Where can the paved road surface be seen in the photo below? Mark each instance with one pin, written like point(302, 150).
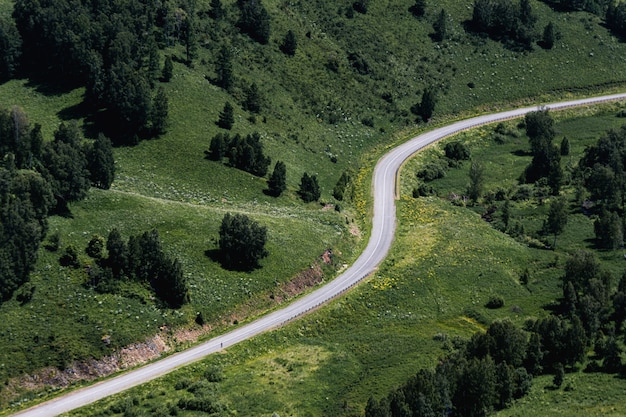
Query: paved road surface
point(383, 230)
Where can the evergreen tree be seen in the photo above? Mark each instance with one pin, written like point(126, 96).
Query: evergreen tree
point(168, 69)
point(565, 147)
point(101, 163)
point(190, 37)
point(118, 253)
point(289, 44)
point(242, 242)
point(254, 20)
point(278, 181)
point(10, 49)
point(217, 149)
point(253, 99)
point(426, 107)
point(419, 8)
point(224, 69)
point(557, 218)
point(549, 36)
point(95, 247)
point(227, 117)
point(340, 187)
point(441, 27)
point(309, 188)
point(159, 112)
point(217, 10)
point(65, 165)
point(477, 181)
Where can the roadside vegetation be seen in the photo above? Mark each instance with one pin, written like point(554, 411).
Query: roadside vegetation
point(304, 96)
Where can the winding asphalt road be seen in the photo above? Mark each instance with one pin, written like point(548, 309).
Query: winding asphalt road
point(383, 230)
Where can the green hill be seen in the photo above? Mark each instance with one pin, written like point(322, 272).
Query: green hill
point(343, 97)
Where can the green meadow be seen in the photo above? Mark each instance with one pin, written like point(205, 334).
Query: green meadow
point(322, 119)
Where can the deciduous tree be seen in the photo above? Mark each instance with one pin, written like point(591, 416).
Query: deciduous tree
point(242, 242)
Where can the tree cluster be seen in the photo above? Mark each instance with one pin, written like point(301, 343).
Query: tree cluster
point(143, 260)
point(546, 162)
point(254, 20)
point(37, 177)
point(615, 18)
point(602, 171)
point(242, 242)
point(242, 152)
point(592, 6)
point(491, 369)
point(110, 47)
point(507, 21)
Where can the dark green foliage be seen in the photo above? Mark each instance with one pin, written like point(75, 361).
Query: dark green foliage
point(340, 188)
point(419, 8)
point(217, 149)
point(224, 69)
point(246, 153)
point(101, 163)
point(10, 49)
point(142, 260)
point(549, 36)
point(602, 166)
point(118, 253)
point(557, 218)
point(615, 18)
point(505, 21)
point(189, 35)
point(289, 44)
point(65, 165)
point(226, 117)
point(457, 151)
point(477, 181)
point(433, 170)
point(159, 112)
point(278, 180)
point(95, 247)
point(426, 106)
point(309, 188)
point(609, 230)
point(565, 147)
point(546, 162)
point(25, 199)
point(253, 99)
point(241, 242)
point(559, 375)
point(361, 6)
point(217, 10)
point(69, 258)
point(254, 20)
point(359, 63)
point(495, 301)
point(110, 48)
point(168, 69)
point(441, 27)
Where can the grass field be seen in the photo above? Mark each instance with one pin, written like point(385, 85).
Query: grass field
point(312, 116)
point(444, 266)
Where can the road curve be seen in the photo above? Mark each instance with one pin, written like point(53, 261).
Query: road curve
point(383, 230)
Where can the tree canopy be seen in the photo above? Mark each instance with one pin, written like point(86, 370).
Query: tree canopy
point(242, 242)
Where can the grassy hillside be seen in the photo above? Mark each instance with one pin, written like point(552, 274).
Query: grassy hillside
point(445, 265)
point(319, 115)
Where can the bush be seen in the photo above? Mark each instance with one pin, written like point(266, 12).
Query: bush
point(496, 301)
point(433, 171)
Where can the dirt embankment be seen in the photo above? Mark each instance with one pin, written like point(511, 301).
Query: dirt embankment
point(166, 340)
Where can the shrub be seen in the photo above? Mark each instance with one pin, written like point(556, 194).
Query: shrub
point(495, 301)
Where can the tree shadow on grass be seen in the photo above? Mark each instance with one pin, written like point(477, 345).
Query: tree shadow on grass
point(216, 256)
